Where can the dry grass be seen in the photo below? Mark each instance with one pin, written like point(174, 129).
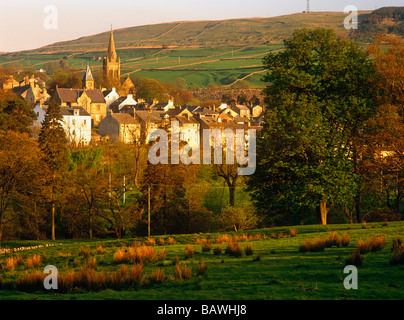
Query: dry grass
point(201, 268)
point(234, 249)
point(170, 240)
point(345, 240)
point(142, 255)
point(293, 232)
point(189, 252)
point(12, 262)
point(249, 250)
point(150, 242)
point(161, 241)
point(182, 272)
point(333, 240)
point(223, 238)
point(100, 249)
point(34, 261)
point(84, 251)
point(315, 246)
point(218, 250)
point(206, 247)
point(397, 256)
point(30, 281)
point(157, 276)
point(372, 244)
point(355, 258)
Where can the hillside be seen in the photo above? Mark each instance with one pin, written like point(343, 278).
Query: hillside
point(220, 53)
point(234, 32)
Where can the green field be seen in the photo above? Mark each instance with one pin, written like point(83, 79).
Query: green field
point(280, 272)
point(220, 66)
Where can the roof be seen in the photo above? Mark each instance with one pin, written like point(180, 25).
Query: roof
point(148, 116)
point(88, 75)
point(70, 111)
point(124, 118)
point(20, 90)
point(71, 95)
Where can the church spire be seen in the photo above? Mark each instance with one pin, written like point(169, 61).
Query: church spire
point(111, 48)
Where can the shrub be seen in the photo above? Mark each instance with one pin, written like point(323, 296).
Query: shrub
point(238, 218)
point(201, 268)
point(189, 252)
point(249, 250)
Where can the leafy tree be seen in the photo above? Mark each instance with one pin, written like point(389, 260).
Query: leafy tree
point(16, 115)
point(318, 100)
point(20, 172)
point(53, 144)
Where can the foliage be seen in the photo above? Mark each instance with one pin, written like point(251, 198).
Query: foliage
point(317, 102)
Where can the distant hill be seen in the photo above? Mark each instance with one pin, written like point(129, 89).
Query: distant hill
point(221, 53)
point(234, 32)
point(388, 20)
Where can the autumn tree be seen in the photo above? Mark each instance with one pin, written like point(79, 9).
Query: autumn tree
point(20, 172)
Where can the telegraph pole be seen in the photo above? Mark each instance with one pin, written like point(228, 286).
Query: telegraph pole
point(148, 211)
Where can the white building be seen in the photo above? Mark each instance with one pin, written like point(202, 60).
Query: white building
point(77, 125)
point(110, 96)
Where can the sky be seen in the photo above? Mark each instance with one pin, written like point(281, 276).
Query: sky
point(30, 24)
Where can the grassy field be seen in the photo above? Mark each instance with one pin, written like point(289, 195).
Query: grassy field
point(220, 66)
point(275, 269)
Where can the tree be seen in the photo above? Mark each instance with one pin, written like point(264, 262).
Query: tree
point(53, 144)
point(384, 139)
point(20, 171)
point(88, 182)
point(318, 99)
point(16, 115)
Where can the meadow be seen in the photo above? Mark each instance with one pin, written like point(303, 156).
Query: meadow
point(272, 263)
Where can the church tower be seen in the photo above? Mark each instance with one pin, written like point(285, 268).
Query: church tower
point(88, 80)
point(112, 64)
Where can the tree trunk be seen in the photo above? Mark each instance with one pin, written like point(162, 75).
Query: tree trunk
point(322, 211)
point(232, 191)
point(53, 220)
point(358, 207)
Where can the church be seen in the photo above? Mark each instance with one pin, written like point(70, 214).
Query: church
point(112, 64)
point(112, 70)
